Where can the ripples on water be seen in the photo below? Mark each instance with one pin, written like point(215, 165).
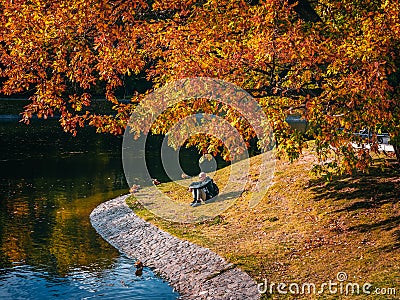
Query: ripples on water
point(117, 282)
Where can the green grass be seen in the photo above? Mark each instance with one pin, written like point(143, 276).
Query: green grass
point(306, 229)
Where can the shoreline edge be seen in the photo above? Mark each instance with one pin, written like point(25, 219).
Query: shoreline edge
point(193, 271)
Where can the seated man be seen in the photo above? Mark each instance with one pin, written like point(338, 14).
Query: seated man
point(203, 190)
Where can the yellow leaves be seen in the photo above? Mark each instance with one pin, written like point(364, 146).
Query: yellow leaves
point(317, 69)
point(79, 101)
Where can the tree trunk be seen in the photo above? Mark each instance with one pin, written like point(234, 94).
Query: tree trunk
point(397, 151)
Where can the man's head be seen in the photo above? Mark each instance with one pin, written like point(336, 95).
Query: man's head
point(202, 176)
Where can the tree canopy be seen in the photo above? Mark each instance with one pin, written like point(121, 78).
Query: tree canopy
point(335, 63)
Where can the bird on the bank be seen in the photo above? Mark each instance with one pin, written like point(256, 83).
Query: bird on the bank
point(185, 176)
point(134, 188)
point(155, 181)
point(139, 268)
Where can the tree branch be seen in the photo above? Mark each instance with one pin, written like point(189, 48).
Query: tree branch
point(284, 92)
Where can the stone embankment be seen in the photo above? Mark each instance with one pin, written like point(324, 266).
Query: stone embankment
point(195, 272)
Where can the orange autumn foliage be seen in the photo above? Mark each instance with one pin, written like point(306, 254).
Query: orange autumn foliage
point(335, 63)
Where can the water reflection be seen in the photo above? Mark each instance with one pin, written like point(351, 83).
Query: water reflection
point(49, 184)
point(116, 282)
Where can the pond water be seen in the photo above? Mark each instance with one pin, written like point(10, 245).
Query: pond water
point(49, 184)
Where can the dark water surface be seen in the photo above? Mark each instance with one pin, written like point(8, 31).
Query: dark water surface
point(49, 184)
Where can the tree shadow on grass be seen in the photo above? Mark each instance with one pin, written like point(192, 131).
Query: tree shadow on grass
point(362, 191)
point(396, 245)
point(388, 224)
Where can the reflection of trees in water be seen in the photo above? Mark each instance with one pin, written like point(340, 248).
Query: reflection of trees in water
point(49, 183)
point(51, 232)
point(73, 241)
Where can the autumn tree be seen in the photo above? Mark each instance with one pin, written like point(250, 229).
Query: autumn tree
point(335, 63)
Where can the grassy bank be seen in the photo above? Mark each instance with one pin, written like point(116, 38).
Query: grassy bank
point(306, 230)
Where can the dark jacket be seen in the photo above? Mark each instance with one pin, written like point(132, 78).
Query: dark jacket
point(210, 188)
